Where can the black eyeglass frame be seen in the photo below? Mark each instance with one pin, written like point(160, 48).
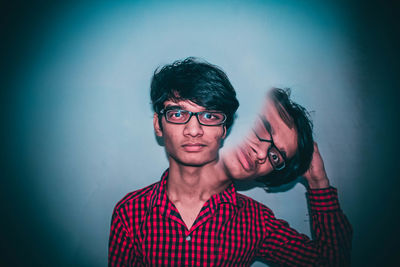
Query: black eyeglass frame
point(164, 112)
point(269, 149)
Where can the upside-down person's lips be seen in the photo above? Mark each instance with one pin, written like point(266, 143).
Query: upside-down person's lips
point(245, 160)
point(193, 147)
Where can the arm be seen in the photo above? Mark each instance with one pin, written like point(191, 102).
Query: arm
point(120, 243)
point(332, 233)
point(316, 175)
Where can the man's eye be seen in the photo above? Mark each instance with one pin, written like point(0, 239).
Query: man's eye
point(274, 156)
point(208, 116)
point(177, 114)
point(212, 116)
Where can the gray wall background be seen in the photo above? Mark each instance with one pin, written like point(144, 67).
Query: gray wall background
point(77, 132)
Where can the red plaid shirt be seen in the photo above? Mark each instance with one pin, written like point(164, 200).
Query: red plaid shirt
point(230, 230)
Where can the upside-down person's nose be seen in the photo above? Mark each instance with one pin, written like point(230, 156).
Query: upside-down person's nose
point(261, 152)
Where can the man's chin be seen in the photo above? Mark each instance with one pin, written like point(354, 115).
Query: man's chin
point(236, 171)
point(195, 162)
point(239, 173)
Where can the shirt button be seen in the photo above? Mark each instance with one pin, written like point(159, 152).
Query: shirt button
point(188, 238)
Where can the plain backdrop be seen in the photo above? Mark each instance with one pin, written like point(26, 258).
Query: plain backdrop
point(77, 121)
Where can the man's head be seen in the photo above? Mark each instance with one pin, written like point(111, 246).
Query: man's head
point(297, 116)
point(280, 146)
point(194, 105)
point(197, 81)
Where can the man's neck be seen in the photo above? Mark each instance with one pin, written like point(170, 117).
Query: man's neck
point(189, 187)
point(195, 183)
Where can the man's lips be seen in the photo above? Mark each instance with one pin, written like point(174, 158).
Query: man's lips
point(193, 147)
point(245, 160)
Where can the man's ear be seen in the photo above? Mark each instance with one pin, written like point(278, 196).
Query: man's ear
point(157, 128)
point(224, 133)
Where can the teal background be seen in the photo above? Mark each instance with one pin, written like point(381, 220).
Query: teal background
point(77, 122)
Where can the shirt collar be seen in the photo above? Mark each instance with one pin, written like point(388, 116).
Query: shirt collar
point(159, 194)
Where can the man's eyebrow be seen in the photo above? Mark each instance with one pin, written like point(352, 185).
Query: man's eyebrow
point(170, 107)
point(283, 152)
point(287, 119)
point(267, 125)
point(269, 128)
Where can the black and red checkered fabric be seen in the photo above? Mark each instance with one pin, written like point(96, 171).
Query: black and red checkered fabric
point(230, 230)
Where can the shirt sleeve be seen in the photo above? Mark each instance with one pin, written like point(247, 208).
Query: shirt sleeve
point(120, 244)
point(332, 235)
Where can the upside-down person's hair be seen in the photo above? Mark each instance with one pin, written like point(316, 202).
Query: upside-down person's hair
point(198, 81)
point(299, 117)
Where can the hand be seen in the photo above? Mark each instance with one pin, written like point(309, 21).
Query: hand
point(316, 175)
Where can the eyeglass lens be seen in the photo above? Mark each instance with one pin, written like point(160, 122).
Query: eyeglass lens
point(262, 131)
point(180, 116)
point(276, 158)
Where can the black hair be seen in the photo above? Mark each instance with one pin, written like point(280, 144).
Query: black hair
point(300, 118)
point(198, 81)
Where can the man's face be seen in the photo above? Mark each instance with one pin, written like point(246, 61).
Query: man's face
point(251, 159)
point(190, 144)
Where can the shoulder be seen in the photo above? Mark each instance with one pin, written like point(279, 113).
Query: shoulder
point(261, 216)
point(135, 200)
point(256, 208)
point(131, 210)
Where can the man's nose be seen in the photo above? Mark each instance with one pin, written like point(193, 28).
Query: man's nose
point(260, 150)
point(193, 127)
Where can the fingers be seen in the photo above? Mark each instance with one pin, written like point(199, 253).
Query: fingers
point(316, 175)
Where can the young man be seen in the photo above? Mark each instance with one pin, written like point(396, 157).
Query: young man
point(280, 146)
point(194, 216)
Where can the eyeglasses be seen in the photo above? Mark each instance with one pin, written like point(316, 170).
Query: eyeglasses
point(275, 156)
point(207, 118)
